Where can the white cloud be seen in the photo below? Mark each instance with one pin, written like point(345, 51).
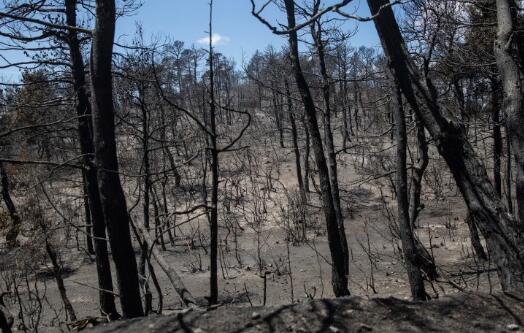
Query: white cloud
point(216, 39)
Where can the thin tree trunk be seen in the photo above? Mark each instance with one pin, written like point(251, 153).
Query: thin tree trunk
point(509, 171)
point(296, 149)
point(57, 272)
point(328, 136)
point(213, 221)
point(110, 187)
point(474, 237)
point(497, 136)
point(417, 174)
point(87, 214)
point(186, 297)
point(307, 153)
point(407, 237)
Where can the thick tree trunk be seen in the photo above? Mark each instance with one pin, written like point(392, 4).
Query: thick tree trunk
point(85, 134)
point(12, 234)
point(407, 237)
point(510, 69)
point(336, 236)
point(6, 318)
point(111, 193)
point(494, 221)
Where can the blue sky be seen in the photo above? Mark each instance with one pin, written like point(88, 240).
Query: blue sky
point(239, 32)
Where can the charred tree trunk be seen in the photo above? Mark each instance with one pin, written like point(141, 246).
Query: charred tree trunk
point(296, 150)
point(307, 153)
point(111, 193)
point(509, 171)
point(175, 280)
point(12, 234)
point(407, 237)
point(497, 136)
point(85, 134)
point(87, 214)
point(336, 235)
point(6, 318)
point(510, 69)
point(417, 176)
point(316, 32)
point(213, 216)
point(494, 221)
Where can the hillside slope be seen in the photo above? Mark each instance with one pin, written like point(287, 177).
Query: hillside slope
point(455, 313)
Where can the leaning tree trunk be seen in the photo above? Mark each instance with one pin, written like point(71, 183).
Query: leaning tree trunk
point(85, 134)
point(336, 236)
point(57, 272)
point(111, 193)
point(494, 221)
point(510, 69)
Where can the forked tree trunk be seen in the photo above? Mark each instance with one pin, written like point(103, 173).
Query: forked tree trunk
point(110, 187)
point(494, 221)
point(336, 235)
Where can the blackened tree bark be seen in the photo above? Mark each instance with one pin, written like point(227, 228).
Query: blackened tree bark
point(407, 237)
point(87, 213)
point(111, 193)
point(85, 134)
point(497, 135)
point(316, 33)
point(14, 230)
point(511, 75)
point(6, 318)
point(509, 172)
point(296, 148)
point(417, 174)
point(213, 216)
point(502, 234)
point(336, 234)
